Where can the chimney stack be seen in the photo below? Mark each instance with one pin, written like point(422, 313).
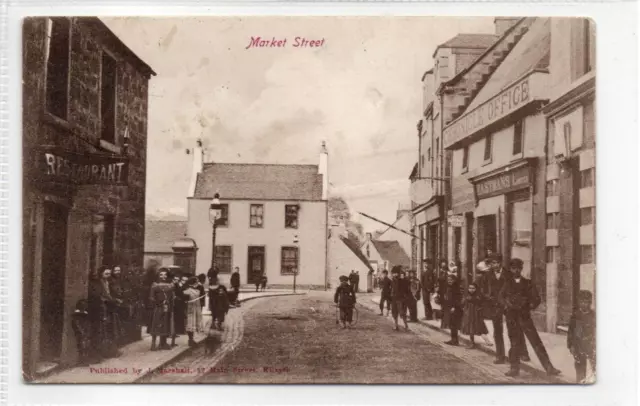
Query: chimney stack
point(502, 24)
point(323, 169)
point(198, 164)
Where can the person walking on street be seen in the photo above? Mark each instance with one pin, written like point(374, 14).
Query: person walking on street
point(235, 286)
point(450, 299)
point(427, 283)
point(581, 338)
point(519, 297)
point(345, 299)
point(385, 292)
point(399, 296)
point(218, 305)
point(415, 289)
point(491, 284)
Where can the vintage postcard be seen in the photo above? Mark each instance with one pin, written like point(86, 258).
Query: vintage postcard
point(309, 200)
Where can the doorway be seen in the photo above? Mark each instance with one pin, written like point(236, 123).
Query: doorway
point(255, 267)
point(52, 290)
point(487, 235)
point(519, 220)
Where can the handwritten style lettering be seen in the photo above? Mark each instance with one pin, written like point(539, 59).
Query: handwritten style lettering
point(298, 42)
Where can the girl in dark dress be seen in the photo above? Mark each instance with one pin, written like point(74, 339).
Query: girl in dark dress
point(473, 320)
point(450, 299)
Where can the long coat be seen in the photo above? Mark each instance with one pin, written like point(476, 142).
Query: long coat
point(490, 288)
point(473, 319)
point(194, 310)
point(162, 299)
point(450, 298)
point(102, 306)
point(180, 310)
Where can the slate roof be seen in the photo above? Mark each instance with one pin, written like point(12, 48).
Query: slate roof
point(356, 250)
point(160, 235)
point(392, 252)
point(469, 41)
point(259, 182)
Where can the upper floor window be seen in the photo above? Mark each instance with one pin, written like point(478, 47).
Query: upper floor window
point(553, 188)
point(587, 178)
point(108, 98)
point(443, 67)
point(465, 158)
point(291, 216)
point(429, 154)
point(422, 161)
point(256, 215)
point(223, 220)
point(57, 76)
point(488, 147)
point(518, 137)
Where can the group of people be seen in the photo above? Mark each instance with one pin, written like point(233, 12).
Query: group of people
point(497, 295)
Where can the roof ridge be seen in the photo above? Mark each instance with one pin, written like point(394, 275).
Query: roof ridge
point(254, 163)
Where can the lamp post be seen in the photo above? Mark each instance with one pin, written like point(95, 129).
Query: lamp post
point(295, 269)
point(215, 211)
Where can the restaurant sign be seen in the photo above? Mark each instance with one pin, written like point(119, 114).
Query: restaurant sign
point(506, 102)
point(504, 182)
point(57, 165)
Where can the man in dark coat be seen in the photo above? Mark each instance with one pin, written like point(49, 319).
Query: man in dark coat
point(399, 295)
point(345, 298)
point(235, 286)
point(519, 297)
point(353, 279)
point(427, 283)
point(415, 289)
point(385, 292)
point(491, 283)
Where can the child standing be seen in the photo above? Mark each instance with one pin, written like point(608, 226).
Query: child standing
point(219, 306)
point(582, 335)
point(345, 298)
point(82, 330)
point(473, 318)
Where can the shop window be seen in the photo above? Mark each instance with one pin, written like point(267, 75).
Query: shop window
point(465, 159)
point(108, 98)
point(256, 215)
point(223, 258)
point(586, 216)
point(223, 220)
point(289, 261)
point(552, 188)
point(291, 216)
point(553, 221)
point(551, 254)
point(518, 135)
point(57, 80)
point(587, 178)
point(587, 254)
point(488, 146)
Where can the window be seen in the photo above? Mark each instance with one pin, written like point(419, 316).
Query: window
point(223, 258)
point(587, 178)
point(586, 216)
point(223, 221)
point(487, 147)
point(289, 261)
point(256, 215)
point(465, 158)
point(553, 221)
point(587, 254)
point(443, 67)
point(57, 81)
point(551, 254)
point(429, 154)
point(552, 188)
point(291, 215)
point(108, 98)
point(518, 138)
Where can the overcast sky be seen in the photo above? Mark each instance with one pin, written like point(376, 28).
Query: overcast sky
point(361, 92)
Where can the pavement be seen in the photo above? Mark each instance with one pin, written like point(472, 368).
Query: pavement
point(555, 344)
point(138, 362)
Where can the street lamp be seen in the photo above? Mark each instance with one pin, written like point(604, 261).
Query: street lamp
point(215, 212)
point(295, 269)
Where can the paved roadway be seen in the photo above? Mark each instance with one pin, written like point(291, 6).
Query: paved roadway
point(294, 339)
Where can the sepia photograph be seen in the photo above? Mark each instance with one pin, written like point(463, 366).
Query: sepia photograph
point(308, 200)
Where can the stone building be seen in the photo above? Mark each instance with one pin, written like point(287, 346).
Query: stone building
point(85, 102)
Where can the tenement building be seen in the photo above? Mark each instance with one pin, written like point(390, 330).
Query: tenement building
point(273, 221)
point(85, 97)
point(570, 162)
point(497, 138)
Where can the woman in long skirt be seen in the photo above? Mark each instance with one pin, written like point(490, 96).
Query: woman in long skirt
point(192, 297)
point(161, 298)
point(473, 320)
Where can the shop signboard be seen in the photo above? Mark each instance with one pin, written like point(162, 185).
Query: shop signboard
point(504, 182)
point(456, 221)
point(504, 103)
point(54, 164)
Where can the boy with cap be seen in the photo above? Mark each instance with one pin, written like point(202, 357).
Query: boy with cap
point(582, 335)
point(345, 298)
point(399, 295)
point(385, 292)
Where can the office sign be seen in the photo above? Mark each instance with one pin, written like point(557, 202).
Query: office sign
point(504, 183)
point(57, 165)
point(504, 103)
